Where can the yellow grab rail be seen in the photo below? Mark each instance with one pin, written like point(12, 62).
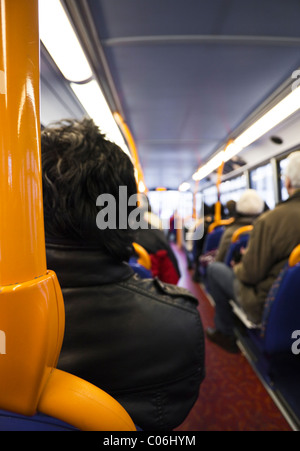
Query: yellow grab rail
point(144, 257)
point(295, 256)
point(241, 231)
point(222, 222)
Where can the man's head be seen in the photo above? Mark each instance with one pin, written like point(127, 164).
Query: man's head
point(292, 173)
point(79, 164)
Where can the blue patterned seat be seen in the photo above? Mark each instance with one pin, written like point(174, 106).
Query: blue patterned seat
point(235, 248)
point(282, 311)
point(143, 272)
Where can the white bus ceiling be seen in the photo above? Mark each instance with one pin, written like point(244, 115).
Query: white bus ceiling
point(186, 75)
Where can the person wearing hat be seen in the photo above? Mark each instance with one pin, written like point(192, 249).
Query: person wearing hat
point(275, 234)
point(247, 209)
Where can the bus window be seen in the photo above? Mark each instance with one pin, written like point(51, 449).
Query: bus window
point(232, 189)
point(165, 203)
point(261, 179)
point(210, 195)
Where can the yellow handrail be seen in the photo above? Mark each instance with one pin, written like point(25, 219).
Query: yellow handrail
point(83, 405)
point(295, 256)
point(144, 257)
point(241, 231)
point(221, 222)
point(218, 206)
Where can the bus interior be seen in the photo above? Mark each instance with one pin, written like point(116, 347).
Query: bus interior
point(191, 85)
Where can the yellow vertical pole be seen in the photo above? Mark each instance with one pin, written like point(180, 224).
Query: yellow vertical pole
point(31, 302)
point(22, 244)
point(218, 215)
point(195, 213)
point(133, 150)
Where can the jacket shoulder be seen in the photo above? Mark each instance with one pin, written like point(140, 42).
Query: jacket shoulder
point(173, 290)
point(159, 290)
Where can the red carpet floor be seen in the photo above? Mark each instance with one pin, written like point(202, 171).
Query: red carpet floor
point(231, 397)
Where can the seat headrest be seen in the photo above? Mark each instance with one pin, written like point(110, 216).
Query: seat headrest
point(241, 231)
point(295, 256)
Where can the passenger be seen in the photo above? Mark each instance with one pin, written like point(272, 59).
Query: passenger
point(171, 236)
point(164, 263)
point(208, 213)
point(139, 340)
point(152, 238)
point(247, 209)
point(276, 233)
point(230, 208)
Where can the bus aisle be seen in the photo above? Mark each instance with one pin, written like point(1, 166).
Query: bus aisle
point(231, 398)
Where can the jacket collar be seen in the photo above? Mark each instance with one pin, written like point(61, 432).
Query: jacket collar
point(295, 196)
point(83, 266)
point(245, 220)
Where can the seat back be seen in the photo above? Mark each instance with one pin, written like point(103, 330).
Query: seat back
point(212, 239)
point(282, 308)
point(221, 222)
point(239, 240)
point(210, 248)
point(139, 269)
point(10, 421)
point(143, 258)
point(281, 312)
point(141, 262)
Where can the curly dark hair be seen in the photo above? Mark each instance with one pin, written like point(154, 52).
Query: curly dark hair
point(79, 164)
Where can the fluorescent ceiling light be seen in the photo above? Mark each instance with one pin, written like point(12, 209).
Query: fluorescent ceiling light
point(231, 150)
point(209, 167)
point(285, 108)
point(94, 103)
point(59, 38)
point(184, 187)
point(142, 187)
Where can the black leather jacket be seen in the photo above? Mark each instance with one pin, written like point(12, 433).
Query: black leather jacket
point(141, 341)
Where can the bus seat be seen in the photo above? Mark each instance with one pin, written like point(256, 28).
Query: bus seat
point(212, 239)
point(222, 222)
point(281, 312)
point(268, 347)
point(211, 243)
point(282, 309)
point(239, 240)
point(32, 325)
point(141, 262)
point(143, 272)
point(143, 256)
point(39, 422)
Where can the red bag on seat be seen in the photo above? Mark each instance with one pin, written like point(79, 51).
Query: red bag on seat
point(163, 268)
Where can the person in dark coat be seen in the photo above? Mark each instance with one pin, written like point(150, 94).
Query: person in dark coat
point(153, 239)
point(139, 340)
